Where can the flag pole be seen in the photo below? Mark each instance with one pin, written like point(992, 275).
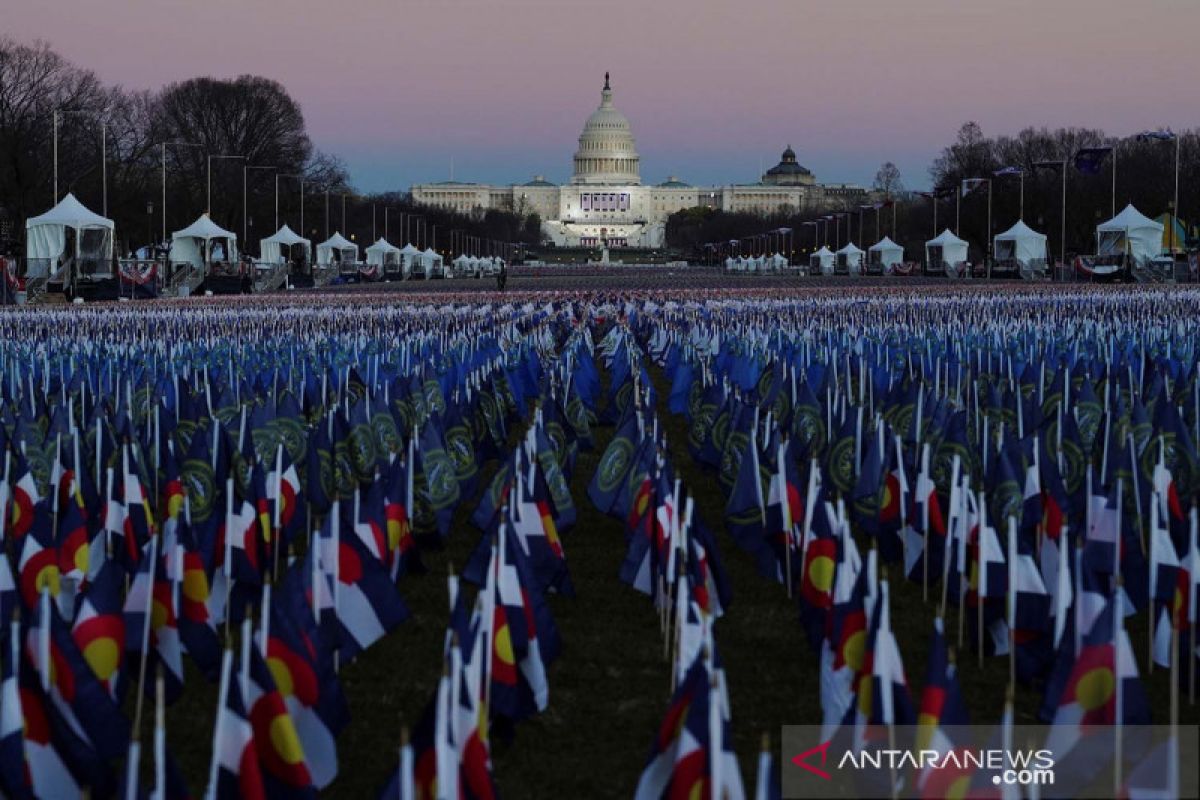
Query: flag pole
point(160, 736)
point(1012, 602)
point(981, 578)
point(1118, 695)
point(1191, 665)
point(1063, 243)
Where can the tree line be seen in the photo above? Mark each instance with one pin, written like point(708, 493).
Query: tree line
point(127, 136)
point(1145, 177)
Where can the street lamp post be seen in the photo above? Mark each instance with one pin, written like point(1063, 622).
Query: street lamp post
point(103, 154)
point(245, 214)
point(301, 178)
point(163, 145)
point(208, 181)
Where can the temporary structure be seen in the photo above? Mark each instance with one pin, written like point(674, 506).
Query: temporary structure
point(946, 250)
point(432, 262)
point(383, 253)
point(204, 241)
point(885, 253)
point(850, 257)
point(822, 260)
point(462, 265)
point(1130, 232)
point(336, 250)
point(277, 248)
point(46, 235)
point(409, 258)
point(1020, 244)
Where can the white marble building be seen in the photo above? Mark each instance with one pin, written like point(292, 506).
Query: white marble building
point(606, 200)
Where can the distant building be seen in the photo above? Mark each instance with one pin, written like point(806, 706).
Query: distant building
point(606, 201)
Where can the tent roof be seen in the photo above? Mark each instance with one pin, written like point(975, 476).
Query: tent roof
point(204, 228)
point(1020, 231)
point(429, 251)
point(70, 213)
point(849, 249)
point(946, 237)
point(383, 246)
point(1129, 218)
point(824, 251)
point(463, 258)
point(338, 242)
point(409, 250)
point(885, 244)
point(287, 237)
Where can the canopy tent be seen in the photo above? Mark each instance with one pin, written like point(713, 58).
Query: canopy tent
point(849, 256)
point(431, 261)
point(203, 241)
point(822, 259)
point(1173, 241)
point(346, 250)
point(383, 252)
point(46, 235)
point(272, 248)
point(779, 261)
point(1130, 232)
point(1020, 243)
point(885, 252)
point(462, 265)
point(409, 257)
point(945, 249)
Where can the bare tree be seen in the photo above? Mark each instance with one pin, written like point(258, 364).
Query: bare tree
point(887, 180)
point(34, 82)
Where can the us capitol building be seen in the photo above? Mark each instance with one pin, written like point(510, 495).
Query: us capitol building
point(607, 202)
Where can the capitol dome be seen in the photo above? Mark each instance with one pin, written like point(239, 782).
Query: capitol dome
point(607, 152)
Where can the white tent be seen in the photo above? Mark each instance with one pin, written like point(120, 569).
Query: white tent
point(203, 240)
point(822, 259)
point(779, 261)
point(383, 252)
point(409, 258)
point(730, 263)
point(885, 252)
point(271, 249)
point(432, 262)
point(849, 256)
point(945, 249)
point(462, 265)
point(347, 251)
point(46, 235)
point(1130, 232)
point(1020, 243)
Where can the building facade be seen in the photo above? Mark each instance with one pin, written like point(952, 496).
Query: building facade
point(605, 201)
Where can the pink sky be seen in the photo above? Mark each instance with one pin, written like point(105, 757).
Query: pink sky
point(714, 90)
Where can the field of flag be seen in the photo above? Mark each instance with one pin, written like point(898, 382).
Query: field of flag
point(587, 543)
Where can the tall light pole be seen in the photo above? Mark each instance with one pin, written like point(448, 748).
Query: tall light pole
point(1165, 135)
point(1062, 165)
point(299, 176)
point(245, 171)
point(208, 181)
point(975, 182)
point(163, 145)
point(103, 154)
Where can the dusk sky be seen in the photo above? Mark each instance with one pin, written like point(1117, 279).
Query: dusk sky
point(714, 90)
